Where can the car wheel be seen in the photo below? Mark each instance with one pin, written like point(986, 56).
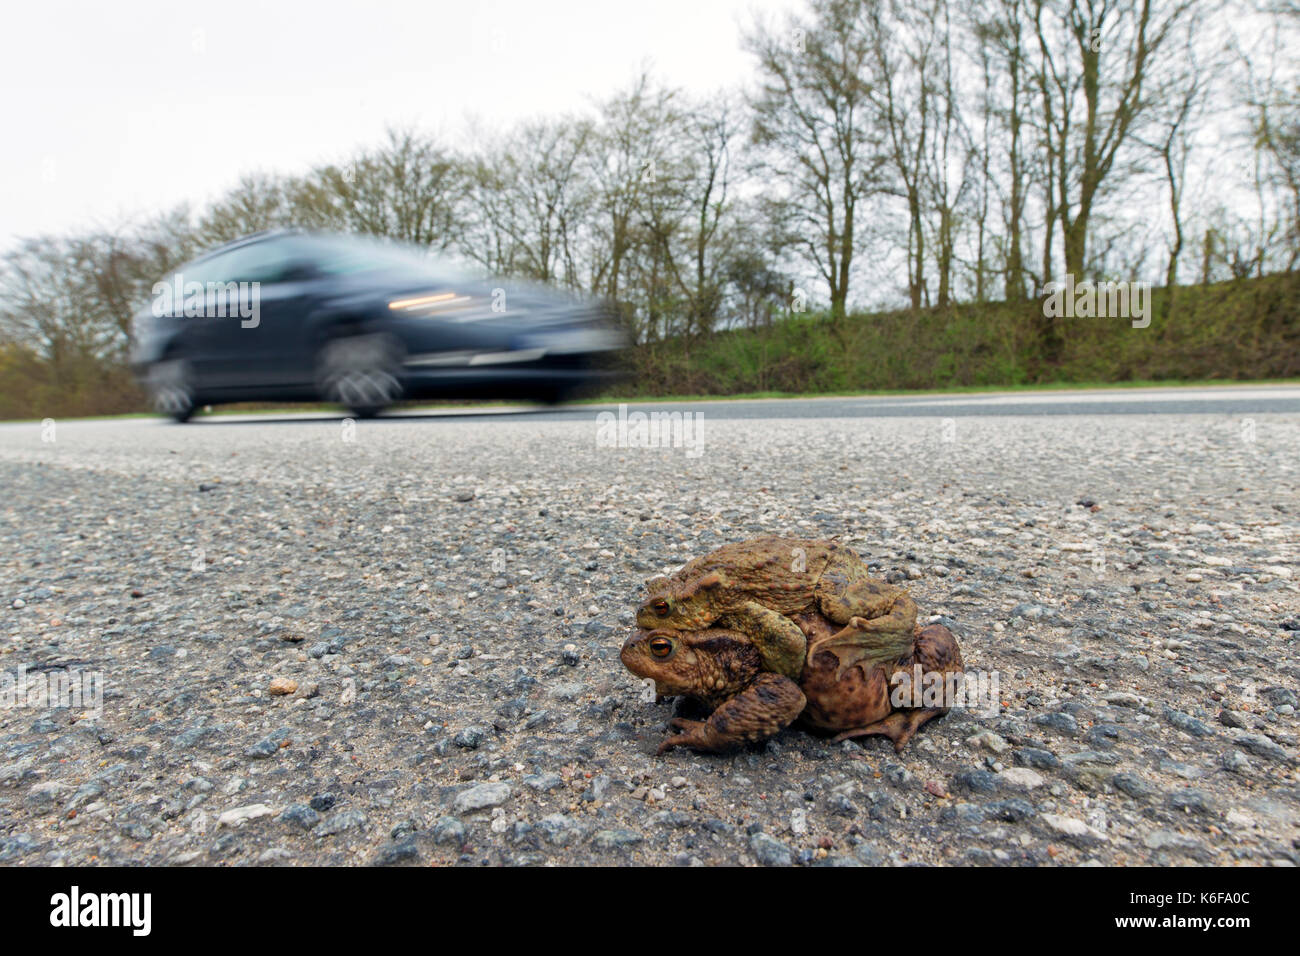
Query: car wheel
point(170, 389)
point(360, 372)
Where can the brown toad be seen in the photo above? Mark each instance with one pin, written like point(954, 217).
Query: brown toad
point(724, 670)
point(756, 586)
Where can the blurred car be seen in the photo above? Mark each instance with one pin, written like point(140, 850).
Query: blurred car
point(300, 316)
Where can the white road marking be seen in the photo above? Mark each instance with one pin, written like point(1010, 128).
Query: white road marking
point(1098, 398)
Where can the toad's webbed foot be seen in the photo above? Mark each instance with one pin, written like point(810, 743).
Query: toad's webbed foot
point(898, 727)
point(762, 709)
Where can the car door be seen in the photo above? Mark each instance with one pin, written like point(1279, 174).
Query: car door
point(252, 335)
point(287, 287)
point(185, 307)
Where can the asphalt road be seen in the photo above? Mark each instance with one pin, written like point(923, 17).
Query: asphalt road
point(441, 598)
point(1223, 400)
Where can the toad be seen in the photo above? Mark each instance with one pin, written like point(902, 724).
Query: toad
point(724, 670)
point(756, 586)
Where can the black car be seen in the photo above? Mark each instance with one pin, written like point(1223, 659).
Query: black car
point(299, 316)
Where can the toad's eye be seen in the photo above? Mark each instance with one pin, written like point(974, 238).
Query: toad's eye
point(661, 647)
point(660, 607)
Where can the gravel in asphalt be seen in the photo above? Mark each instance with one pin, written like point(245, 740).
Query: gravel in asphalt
point(396, 642)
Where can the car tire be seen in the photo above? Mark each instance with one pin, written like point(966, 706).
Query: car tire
point(171, 389)
point(361, 373)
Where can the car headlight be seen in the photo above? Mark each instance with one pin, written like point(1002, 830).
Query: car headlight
point(426, 304)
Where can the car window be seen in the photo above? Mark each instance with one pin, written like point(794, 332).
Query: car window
point(212, 269)
point(337, 255)
point(274, 260)
point(270, 261)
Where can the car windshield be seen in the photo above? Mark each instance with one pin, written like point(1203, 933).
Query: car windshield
point(329, 254)
point(347, 255)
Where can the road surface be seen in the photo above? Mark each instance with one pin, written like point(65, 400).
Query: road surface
point(442, 596)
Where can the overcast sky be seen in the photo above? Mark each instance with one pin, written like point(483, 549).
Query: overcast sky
point(117, 109)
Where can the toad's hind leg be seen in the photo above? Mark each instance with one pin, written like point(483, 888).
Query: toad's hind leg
point(898, 726)
point(766, 706)
point(886, 607)
point(872, 641)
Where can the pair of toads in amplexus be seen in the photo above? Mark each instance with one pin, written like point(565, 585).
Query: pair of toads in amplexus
point(774, 629)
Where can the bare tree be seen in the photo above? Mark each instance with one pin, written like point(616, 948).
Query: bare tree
point(999, 30)
point(812, 115)
point(1181, 96)
point(1274, 106)
point(410, 189)
point(531, 192)
point(488, 235)
point(627, 150)
point(905, 92)
point(948, 161)
point(690, 215)
point(1105, 52)
point(258, 202)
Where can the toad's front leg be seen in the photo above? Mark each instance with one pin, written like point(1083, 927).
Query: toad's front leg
point(758, 712)
point(780, 643)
